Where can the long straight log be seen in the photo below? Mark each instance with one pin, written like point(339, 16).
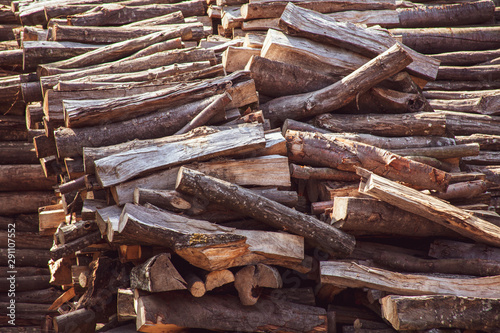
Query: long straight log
point(472, 73)
point(459, 123)
point(462, 85)
point(27, 202)
point(319, 150)
point(387, 18)
point(26, 258)
point(13, 128)
point(27, 240)
point(24, 177)
point(17, 153)
point(306, 23)
point(341, 93)
point(466, 58)
point(431, 208)
point(487, 105)
point(236, 198)
point(353, 275)
point(485, 141)
point(172, 18)
point(123, 166)
point(470, 149)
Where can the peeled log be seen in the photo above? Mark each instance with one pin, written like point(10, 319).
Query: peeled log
point(341, 93)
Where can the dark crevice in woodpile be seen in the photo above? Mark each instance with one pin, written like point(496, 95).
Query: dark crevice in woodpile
point(249, 166)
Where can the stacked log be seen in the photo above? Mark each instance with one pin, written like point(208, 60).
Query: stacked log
point(275, 176)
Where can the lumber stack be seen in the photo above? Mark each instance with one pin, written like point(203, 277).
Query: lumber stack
point(306, 166)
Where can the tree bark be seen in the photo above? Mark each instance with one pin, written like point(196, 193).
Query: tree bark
point(307, 172)
point(325, 100)
point(224, 312)
point(13, 128)
point(466, 58)
point(81, 320)
point(470, 149)
point(367, 217)
point(484, 158)
point(464, 190)
point(487, 105)
point(40, 296)
point(250, 279)
point(17, 153)
point(440, 311)
point(459, 123)
point(157, 274)
point(462, 85)
point(75, 245)
point(26, 283)
point(386, 125)
point(172, 18)
point(71, 232)
point(165, 199)
point(368, 42)
point(26, 240)
point(265, 210)
point(24, 177)
point(436, 210)
point(446, 249)
point(126, 163)
point(12, 203)
point(353, 275)
point(387, 18)
point(346, 155)
point(26, 258)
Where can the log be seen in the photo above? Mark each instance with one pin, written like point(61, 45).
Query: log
point(447, 15)
point(464, 190)
point(125, 305)
point(157, 274)
point(13, 128)
point(387, 18)
point(24, 223)
point(462, 85)
point(162, 311)
point(492, 172)
point(322, 101)
point(484, 158)
point(24, 283)
point(466, 58)
point(459, 123)
point(368, 217)
point(75, 245)
point(271, 9)
point(116, 14)
point(368, 42)
point(195, 285)
point(440, 40)
point(242, 137)
point(26, 258)
point(386, 125)
point(12, 203)
point(165, 199)
point(41, 296)
point(108, 216)
point(82, 320)
point(424, 205)
point(446, 249)
point(346, 155)
point(486, 142)
point(439, 311)
point(470, 149)
point(17, 153)
point(307, 172)
point(250, 279)
point(353, 275)
point(172, 18)
point(218, 278)
point(235, 58)
point(26, 240)
point(70, 232)
point(487, 105)
point(265, 210)
point(24, 177)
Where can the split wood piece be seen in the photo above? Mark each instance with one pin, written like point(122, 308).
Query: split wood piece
point(70, 232)
point(26, 240)
point(82, 320)
point(387, 18)
point(466, 58)
point(368, 42)
point(464, 190)
point(235, 58)
point(26, 258)
point(439, 40)
point(28, 271)
point(365, 77)
point(487, 105)
point(126, 65)
point(387, 124)
point(172, 18)
point(326, 59)
point(13, 128)
point(447, 15)
point(346, 155)
point(125, 305)
point(13, 152)
point(470, 149)
point(108, 216)
point(75, 245)
point(231, 17)
point(27, 202)
point(486, 142)
point(353, 275)
point(218, 278)
point(236, 198)
point(399, 261)
point(216, 107)
point(117, 14)
point(112, 52)
point(484, 158)
point(368, 217)
point(157, 274)
point(34, 115)
point(275, 78)
point(120, 167)
point(12, 59)
point(260, 24)
point(59, 13)
point(446, 249)
point(434, 209)
point(24, 283)
point(44, 146)
point(61, 272)
point(440, 311)
point(66, 297)
point(189, 238)
point(167, 311)
point(459, 123)
point(79, 275)
point(272, 9)
point(250, 279)
point(326, 191)
point(307, 172)
point(24, 177)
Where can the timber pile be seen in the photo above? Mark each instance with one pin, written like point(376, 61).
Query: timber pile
point(295, 173)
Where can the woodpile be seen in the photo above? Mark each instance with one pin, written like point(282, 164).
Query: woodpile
point(261, 166)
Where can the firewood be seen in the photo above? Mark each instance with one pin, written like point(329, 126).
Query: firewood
point(24, 223)
point(125, 304)
point(445, 249)
point(466, 58)
point(218, 278)
point(253, 138)
point(354, 275)
point(27, 240)
point(12, 128)
point(345, 155)
point(83, 320)
point(260, 24)
point(115, 14)
point(465, 150)
point(434, 209)
point(386, 125)
point(27, 177)
point(484, 158)
point(40, 296)
point(231, 17)
point(492, 172)
point(17, 153)
point(75, 245)
point(27, 202)
point(162, 312)
point(306, 23)
point(195, 285)
point(248, 280)
point(27, 258)
point(157, 274)
point(172, 18)
point(368, 217)
point(449, 39)
point(70, 232)
point(387, 18)
point(486, 142)
point(26, 283)
point(400, 312)
point(106, 216)
point(463, 85)
point(360, 80)
point(235, 58)
point(166, 199)
point(233, 197)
